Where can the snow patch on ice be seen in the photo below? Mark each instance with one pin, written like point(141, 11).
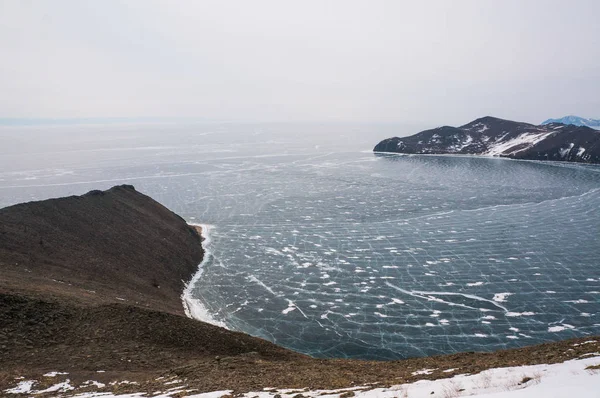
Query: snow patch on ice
point(501, 297)
point(517, 314)
point(476, 283)
point(291, 307)
point(560, 328)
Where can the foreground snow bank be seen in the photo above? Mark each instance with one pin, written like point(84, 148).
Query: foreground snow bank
point(577, 378)
point(572, 378)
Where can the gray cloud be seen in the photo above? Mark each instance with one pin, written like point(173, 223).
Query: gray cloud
point(421, 61)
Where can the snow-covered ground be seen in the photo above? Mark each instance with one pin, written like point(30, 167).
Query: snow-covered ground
point(575, 378)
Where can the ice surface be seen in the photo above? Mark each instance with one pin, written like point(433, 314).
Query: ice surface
point(366, 247)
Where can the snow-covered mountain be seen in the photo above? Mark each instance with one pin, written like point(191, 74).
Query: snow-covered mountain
point(498, 137)
point(576, 121)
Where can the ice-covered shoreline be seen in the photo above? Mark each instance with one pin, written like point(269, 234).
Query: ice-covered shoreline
point(194, 308)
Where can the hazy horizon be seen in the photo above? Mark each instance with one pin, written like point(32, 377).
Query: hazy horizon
point(433, 63)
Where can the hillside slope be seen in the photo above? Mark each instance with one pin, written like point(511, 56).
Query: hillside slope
point(102, 247)
point(94, 282)
point(505, 138)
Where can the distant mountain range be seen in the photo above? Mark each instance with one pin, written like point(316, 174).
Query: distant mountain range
point(505, 138)
point(576, 121)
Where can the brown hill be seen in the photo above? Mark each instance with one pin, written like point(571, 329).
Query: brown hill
point(102, 247)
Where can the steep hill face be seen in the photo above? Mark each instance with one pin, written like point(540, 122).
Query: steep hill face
point(102, 247)
point(498, 137)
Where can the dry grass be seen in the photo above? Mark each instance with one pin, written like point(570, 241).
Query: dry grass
point(402, 390)
point(485, 380)
point(524, 381)
point(452, 389)
point(593, 369)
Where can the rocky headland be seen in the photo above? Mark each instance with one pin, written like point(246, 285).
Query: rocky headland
point(490, 136)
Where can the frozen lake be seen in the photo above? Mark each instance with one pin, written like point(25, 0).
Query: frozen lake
point(321, 246)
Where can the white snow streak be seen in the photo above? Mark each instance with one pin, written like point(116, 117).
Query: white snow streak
point(509, 147)
point(193, 307)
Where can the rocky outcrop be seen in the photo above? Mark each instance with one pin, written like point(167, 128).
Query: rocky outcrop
point(505, 138)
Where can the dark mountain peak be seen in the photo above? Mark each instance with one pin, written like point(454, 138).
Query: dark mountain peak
point(494, 122)
point(487, 119)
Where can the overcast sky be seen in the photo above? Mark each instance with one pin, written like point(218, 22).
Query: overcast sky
point(443, 62)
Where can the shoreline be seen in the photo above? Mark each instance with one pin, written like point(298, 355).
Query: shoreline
point(482, 156)
point(194, 308)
